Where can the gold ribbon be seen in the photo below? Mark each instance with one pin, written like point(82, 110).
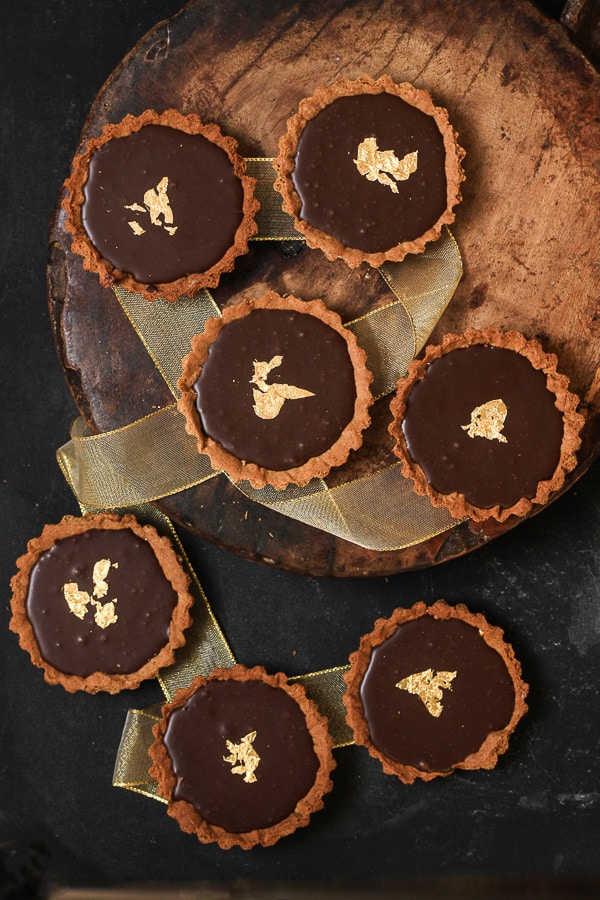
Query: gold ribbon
point(154, 457)
point(273, 223)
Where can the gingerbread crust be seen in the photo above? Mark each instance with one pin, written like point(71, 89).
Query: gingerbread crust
point(239, 470)
point(186, 815)
point(188, 284)
point(496, 742)
point(557, 384)
point(284, 164)
point(173, 571)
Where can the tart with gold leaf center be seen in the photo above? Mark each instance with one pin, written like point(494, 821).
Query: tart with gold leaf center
point(160, 204)
point(242, 757)
point(433, 689)
point(276, 391)
point(485, 425)
point(370, 170)
point(100, 603)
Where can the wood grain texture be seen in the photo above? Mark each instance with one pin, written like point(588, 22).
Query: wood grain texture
point(526, 104)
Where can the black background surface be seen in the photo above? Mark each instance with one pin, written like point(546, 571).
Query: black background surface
point(61, 822)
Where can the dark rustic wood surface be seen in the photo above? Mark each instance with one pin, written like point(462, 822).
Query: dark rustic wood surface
point(526, 104)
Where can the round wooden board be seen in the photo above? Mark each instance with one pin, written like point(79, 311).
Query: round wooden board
point(526, 105)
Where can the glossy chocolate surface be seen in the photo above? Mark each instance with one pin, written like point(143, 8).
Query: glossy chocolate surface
point(204, 195)
point(479, 701)
point(196, 741)
point(315, 359)
point(144, 604)
point(338, 200)
point(487, 472)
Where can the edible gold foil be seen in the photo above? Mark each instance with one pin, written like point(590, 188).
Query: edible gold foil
point(429, 686)
point(487, 421)
point(379, 165)
point(243, 757)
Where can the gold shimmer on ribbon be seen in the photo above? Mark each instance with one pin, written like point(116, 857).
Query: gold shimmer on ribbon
point(326, 689)
point(389, 338)
point(133, 762)
point(165, 328)
point(380, 511)
point(151, 458)
point(273, 223)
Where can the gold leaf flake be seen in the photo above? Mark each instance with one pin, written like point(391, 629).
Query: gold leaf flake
point(378, 165)
point(157, 203)
point(487, 421)
point(157, 206)
point(136, 228)
point(262, 369)
point(243, 758)
point(429, 686)
point(105, 614)
point(269, 398)
point(99, 574)
point(77, 600)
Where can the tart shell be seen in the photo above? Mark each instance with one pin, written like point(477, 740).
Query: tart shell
point(496, 742)
point(557, 384)
point(238, 469)
point(284, 164)
point(189, 283)
point(190, 820)
point(173, 571)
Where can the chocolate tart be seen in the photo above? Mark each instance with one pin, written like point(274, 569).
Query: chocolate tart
point(276, 391)
point(242, 757)
point(370, 170)
point(160, 204)
point(485, 425)
point(100, 602)
point(433, 689)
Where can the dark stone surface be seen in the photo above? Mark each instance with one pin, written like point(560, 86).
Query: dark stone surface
point(537, 816)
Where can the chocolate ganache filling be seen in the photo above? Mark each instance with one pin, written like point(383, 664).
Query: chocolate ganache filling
point(443, 437)
point(277, 388)
point(433, 692)
point(365, 214)
point(71, 589)
point(242, 754)
point(161, 203)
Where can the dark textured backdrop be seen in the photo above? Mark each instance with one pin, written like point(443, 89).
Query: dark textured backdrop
point(61, 822)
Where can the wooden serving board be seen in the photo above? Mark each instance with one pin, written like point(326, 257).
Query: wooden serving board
point(526, 105)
